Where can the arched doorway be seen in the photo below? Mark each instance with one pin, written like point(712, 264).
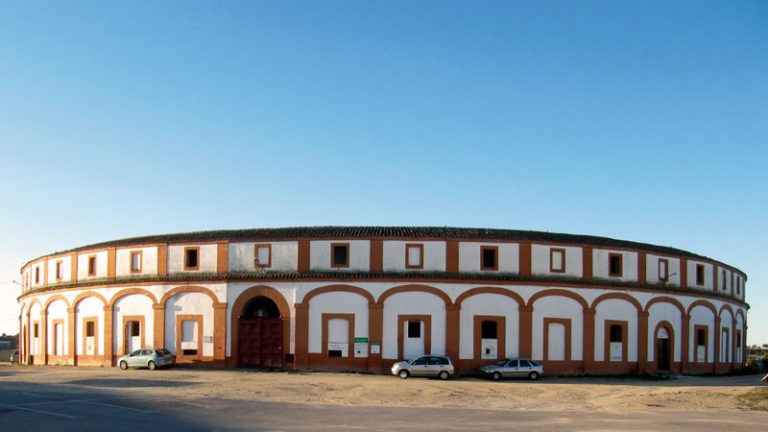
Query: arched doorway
point(260, 334)
point(663, 349)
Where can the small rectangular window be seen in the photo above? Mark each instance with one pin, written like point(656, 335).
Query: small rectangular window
point(189, 352)
point(90, 329)
point(37, 275)
point(59, 270)
point(92, 265)
point(414, 329)
point(191, 258)
point(615, 264)
point(489, 258)
point(557, 260)
point(36, 330)
point(722, 277)
point(738, 339)
point(334, 353)
point(489, 330)
point(340, 255)
point(134, 328)
point(616, 333)
point(262, 255)
point(700, 274)
point(414, 256)
point(663, 270)
point(135, 261)
point(701, 337)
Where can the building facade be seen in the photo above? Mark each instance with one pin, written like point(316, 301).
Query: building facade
point(361, 298)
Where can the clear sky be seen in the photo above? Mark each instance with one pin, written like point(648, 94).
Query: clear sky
point(644, 121)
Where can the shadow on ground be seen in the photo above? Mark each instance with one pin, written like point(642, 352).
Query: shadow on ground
point(129, 383)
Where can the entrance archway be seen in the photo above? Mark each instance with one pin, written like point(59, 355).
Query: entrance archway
point(260, 334)
point(663, 348)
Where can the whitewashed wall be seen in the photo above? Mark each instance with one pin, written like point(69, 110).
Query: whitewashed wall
point(66, 269)
point(394, 256)
point(189, 303)
point(413, 303)
point(206, 258)
point(652, 270)
point(34, 315)
point(134, 304)
point(701, 315)
point(88, 308)
point(708, 282)
point(359, 255)
point(600, 264)
point(558, 307)
point(540, 261)
point(57, 310)
point(148, 261)
point(285, 256)
point(615, 310)
point(493, 305)
point(101, 265)
point(469, 257)
point(337, 302)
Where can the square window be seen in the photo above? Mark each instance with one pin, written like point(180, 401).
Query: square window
point(616, 333)
point(90, 329)
point(414, 256)
point(191, 258)
point(340, 255)
point(700, 274)
point(135, 261)
point(615, 264)
point(663, 270)
point(414, 329)
point(262, 256)
point(92, 265)
point(489, 330)
point(557, 260)
point(489, 258)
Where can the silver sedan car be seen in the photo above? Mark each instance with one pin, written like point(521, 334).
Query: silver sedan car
point(426, 366)
point(513, 368)
point(151, 358)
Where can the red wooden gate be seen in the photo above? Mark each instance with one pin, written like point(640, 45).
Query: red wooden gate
point(260, 342)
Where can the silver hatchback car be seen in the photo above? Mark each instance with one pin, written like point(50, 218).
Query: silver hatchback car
point(513, 368)
point(151, 358)
point(425, 366)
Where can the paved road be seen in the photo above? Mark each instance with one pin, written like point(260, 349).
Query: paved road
point(38, 407)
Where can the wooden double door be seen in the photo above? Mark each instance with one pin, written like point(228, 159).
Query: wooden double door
point(260, 342)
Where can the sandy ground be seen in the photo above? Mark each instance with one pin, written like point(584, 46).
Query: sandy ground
point(612, 395)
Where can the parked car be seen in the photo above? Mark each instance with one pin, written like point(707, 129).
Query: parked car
point(151, 358)
point(513, 368)
point(15, 356)
point(425, 366)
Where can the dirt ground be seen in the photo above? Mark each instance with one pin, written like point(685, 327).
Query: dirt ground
point(612, 395)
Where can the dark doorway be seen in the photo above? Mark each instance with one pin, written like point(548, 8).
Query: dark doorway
point(663, 352)
point(260, 335)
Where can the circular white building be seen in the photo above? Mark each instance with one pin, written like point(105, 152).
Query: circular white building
point(361, 298)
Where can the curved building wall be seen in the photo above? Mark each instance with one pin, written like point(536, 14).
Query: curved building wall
point(362, 298)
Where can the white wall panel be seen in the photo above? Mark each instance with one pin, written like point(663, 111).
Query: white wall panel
point(558, 307)
point(336, 302)
point(285, 256)
point(394, 255)
point(493, 305)
point(540, 260)
point(413, 303)
point(359, 255)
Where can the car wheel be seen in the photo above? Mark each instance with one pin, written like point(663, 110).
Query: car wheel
point(533, 376)
point(496, 376)
point(123, 365)
point(151, 365)
point(443, 375)
point(403, 374)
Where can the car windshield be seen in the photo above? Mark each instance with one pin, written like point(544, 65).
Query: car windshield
point(501, 362)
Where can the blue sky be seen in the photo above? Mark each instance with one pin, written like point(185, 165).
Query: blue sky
point(644, 121)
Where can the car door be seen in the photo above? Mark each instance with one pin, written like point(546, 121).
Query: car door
point(134, 358)
point(146, 356)
point(434, 366)
point(510, 370)
point(419, 367)
point(525, 368)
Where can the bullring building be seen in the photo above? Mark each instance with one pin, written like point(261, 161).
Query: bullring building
point(361, 298)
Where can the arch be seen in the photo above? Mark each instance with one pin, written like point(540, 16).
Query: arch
point(670, 300)
point(558, 292)
point(671, 348)
point(740, 312)
point(702, 303)
point(240, 303)
point(414, 288)
point(130, 291)
point(490, 290)
point(728, 308)
point(54, 298)
point(617, 296)
point(337, 288)
point(87, 294)
point(32, 303)
point(188, 289)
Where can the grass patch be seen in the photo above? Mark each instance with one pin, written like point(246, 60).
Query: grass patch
point(756, 400)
